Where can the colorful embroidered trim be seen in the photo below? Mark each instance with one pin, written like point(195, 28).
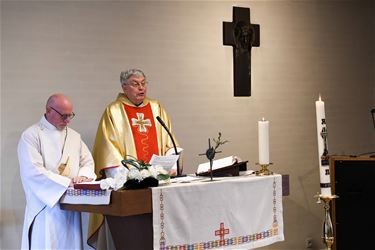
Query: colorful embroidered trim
point(85, 192)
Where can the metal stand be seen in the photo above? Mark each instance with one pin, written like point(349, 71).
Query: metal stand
point(328, 234)
point(210, 153)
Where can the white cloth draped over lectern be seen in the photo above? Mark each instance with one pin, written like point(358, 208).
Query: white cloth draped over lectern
point(227, 213)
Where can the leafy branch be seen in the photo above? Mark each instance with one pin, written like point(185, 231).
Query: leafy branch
point(218, 141)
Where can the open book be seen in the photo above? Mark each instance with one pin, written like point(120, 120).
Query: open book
point(217, 164)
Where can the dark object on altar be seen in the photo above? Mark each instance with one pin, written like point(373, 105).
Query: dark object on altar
point(145, 183)
point(232, 170)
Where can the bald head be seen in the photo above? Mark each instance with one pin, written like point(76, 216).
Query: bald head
point(58, 100)
point(59, 110)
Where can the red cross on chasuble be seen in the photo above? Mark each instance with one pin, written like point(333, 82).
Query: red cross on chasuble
point(142, 123)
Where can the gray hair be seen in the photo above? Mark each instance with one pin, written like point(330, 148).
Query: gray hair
point(125, 75)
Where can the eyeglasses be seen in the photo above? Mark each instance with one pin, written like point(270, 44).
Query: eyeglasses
point(137, 85)
point(65, 116)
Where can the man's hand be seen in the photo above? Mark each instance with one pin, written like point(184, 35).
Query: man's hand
point(79, 179)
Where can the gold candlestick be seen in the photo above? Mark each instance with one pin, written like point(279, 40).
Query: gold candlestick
point(328, 234)
point(264, 169)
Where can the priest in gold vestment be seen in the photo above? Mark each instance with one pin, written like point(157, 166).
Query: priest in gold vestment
point(128, 127)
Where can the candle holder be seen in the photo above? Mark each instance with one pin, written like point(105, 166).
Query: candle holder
point(264, 169)
point(328, 234)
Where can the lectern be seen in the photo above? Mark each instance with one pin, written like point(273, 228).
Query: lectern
point(129, 217)
point(352, 180)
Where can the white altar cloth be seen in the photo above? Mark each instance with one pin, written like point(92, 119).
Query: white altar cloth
point(227, 213)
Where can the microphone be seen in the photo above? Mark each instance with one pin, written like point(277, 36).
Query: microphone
point(174, 144)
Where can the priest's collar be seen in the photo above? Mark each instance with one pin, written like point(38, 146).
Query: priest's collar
point(45, 123)
point(124, 99)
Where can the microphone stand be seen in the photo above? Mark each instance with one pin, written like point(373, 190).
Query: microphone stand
point(174, 145)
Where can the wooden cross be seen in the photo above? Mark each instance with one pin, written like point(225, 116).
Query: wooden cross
point(222, 232)
point(242, 36)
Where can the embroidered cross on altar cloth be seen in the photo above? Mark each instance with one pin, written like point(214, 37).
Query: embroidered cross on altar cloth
point(228, 213)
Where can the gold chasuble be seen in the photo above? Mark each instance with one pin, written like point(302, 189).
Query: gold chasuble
point(126, 129)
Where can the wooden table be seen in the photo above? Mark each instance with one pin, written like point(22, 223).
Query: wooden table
point(129, 217)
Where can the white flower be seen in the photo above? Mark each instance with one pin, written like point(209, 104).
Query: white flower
point(120, 179)
point(134, 174)
point(119, 182)
point(145, 173)
point(122, 171)
point(138, 170)
point(154, 173)
point(107, 183)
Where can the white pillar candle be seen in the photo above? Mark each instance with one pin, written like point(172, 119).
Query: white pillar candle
point(325, 179)
point(263, 142)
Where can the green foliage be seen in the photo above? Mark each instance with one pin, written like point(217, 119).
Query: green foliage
point(218, 141)
point(163, 177)
point(139, 164)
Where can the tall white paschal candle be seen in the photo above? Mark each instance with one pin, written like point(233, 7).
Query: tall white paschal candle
point(263, 142)
point(321, 128)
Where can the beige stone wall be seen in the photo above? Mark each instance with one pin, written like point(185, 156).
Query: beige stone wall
point(307, 47)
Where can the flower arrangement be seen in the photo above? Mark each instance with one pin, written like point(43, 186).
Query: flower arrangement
point(135, 174)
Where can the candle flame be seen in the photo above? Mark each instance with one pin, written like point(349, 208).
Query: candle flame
point(263, 119)
point(320, 97)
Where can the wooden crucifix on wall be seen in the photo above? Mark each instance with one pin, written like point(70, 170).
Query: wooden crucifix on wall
point(242, 36)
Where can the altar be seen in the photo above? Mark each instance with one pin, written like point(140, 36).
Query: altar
point(228, 213)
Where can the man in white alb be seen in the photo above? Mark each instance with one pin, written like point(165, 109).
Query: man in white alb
point(52, 157)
